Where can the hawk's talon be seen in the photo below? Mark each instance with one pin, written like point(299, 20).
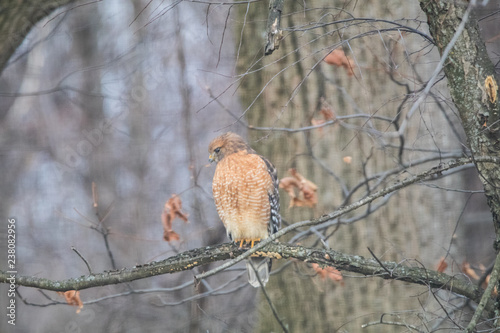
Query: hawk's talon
point(247, 241)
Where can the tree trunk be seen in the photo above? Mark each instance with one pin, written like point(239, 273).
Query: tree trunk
point(16, 20)
point(298, 84)
point(473, 85)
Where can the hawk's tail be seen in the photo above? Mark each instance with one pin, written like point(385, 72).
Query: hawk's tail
point(258, 267)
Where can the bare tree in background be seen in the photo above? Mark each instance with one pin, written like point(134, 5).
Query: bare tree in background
point(107, 109)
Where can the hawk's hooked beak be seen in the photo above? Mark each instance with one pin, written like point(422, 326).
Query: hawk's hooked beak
point(211, 158)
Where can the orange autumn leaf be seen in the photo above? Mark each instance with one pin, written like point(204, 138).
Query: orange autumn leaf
point(467, 270)
point(73, 298)
point(327, 113)
point(328, 272)
point(441, 265)
point(347, 159)
point(289, 184)
point(338, 58)
point(317, 122)
point(171, 210)
point(471, 273)
point(302, 192)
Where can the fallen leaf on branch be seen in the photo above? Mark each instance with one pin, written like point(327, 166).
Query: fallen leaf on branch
point(73, 298)
point(328, 272)
point(171, 210)
point(441, 265)
point(338, 58)
point(302, 192)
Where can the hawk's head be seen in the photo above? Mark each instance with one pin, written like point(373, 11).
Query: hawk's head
point(227, 144)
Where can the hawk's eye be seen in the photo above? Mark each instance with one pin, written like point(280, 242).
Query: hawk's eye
point(217, 150)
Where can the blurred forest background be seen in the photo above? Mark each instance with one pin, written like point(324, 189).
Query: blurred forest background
point(126, 95)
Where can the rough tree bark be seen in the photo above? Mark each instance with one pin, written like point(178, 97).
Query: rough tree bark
point(473, 85)
point(296, 81)
point(197, 257)
point(16, 20)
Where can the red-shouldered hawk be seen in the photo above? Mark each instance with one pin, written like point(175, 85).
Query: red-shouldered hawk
point(245, 189)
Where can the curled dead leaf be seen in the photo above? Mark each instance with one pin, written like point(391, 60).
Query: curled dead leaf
point(328, 272)
point(441, 265)
point(73, 298)
point(467, 270)
point(171, 210)
point(338, 58)
point(347, 159)
point(327, 112)
point(302, 192)
point(317, 122)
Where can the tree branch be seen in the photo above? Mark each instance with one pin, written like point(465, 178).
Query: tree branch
point(324, 257)
point(268, 248)
point(486, 296)
point(436, 171)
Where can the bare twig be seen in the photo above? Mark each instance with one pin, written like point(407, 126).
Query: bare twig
point(271, 305)
point(378, 260)
point(393, 323)
point(84, 260)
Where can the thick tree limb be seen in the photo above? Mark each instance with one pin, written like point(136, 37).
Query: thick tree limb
point(198, 257)
point(437, 171)
point(473, 87)
point(351, 263)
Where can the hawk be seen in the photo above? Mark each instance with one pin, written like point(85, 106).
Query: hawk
point(245, 190)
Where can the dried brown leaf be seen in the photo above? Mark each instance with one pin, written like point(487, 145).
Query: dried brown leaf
point(347, 159)
point(442, 265)
point(302, 192)
point(73, 298)
point(467, 270)
point(328, 272)
point(171, 210)
point(316, 122)
point(338, 58)
point(289, 184)
point(327, 113)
